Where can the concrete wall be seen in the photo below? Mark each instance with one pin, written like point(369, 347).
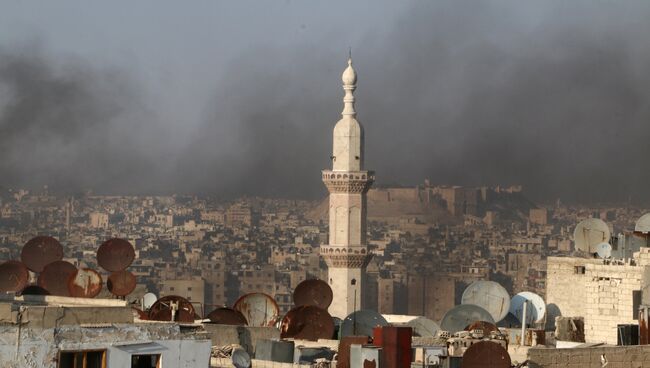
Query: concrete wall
point(603, 294)
point(617, 357)
point(40, 347)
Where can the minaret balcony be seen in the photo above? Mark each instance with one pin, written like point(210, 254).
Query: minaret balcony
point(348, 181)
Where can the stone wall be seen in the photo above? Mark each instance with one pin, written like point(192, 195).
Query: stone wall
point(604, 294)
point(615, 356)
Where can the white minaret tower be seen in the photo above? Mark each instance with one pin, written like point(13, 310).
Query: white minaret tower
point(346, 254)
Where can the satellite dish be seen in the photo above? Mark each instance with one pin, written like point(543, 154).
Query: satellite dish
point(461, 316)
point(535, 310)
point(85, 283)
point(115, 255)
point(361, 323)
point(589, 233)
point(260, 309)
point(307, 322)
point(240, 358)
point(34, 290)
point(121, 283)
point(604, 250)
point(643, 224)
point(172, 306)
point(55, 276)
point(422, 326)
point(313, 292)
point(490, 296)
point(40, 251)
point(486, 354)
point(148, 299)
point(227, 316)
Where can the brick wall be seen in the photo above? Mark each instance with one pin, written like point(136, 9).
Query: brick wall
point(617, 357)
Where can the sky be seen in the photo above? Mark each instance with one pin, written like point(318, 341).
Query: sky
point(232, 98)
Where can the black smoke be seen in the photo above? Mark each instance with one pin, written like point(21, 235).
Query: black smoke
point(552, 95)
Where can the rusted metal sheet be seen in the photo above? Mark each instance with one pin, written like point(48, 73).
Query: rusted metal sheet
point(396, 344)
point(41, 251)
point(484, 326)
point(485, 354)
point(227, 316)
point(260, 309)
point(307, 322)
point(313, 292)
point(344, 349)
point(121, 283)
point(115, 255)
point(55, 276)
point(172, 308)
point(34, 290)
point(85, 283)
point(14, 276)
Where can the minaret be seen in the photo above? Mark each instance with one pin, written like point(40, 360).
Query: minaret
point(346, 254)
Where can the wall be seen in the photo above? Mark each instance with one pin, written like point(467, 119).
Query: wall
point(617, 357)
point(603, 294)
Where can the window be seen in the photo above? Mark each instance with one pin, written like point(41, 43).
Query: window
point(145, 361)
point(580, 270)
point(171, 288)
point(189, 289)
point(82, 359)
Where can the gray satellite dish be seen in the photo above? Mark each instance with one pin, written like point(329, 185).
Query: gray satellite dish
point(643, 224)
point(535, 308)
point(461, 316)
point(147, 300)
point(361, 323)
point(490, 296)
point(422, 326)
point(240, 358)
point(589, 233)
point(604, 250)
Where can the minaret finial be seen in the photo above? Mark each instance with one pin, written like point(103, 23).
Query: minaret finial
point(349, 79)
point(350, 54)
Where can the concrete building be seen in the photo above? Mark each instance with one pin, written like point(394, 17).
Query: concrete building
point(61, 332)
point(192, 289)
point(604, 293)
point(98, 220)
point(430, 296)
point(346, 254)
point(538, 216)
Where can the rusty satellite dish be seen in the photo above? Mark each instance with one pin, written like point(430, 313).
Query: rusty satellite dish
point(589, 233)
point(313, 292)
point(55, 276)
point(121, 283)
point(307, 322)
point(227, 316)
point(13, 276)
point(259, 309)
point(461, 316)
point(361, 323)
point(172, 308)
point(34, 290)
point(85, 283)
point(115, 255)
point(41, 251)
point(139, 314)
point(490, 296)
point(484, 354)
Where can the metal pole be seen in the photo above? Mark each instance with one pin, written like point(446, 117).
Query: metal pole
point(523, 323)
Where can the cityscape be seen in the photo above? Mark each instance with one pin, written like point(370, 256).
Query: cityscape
point(465, 190)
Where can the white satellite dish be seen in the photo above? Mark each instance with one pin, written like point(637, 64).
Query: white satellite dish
point(604, 250)
point(643, 224)
point(535, 309)
point(147, 300)
point(589, 233)
point(490, 296)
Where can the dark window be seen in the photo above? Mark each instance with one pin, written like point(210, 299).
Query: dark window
point(636, 303)
point(145, 361)
point(82, 359)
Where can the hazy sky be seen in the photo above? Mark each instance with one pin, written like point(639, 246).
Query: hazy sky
point(240, 97)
